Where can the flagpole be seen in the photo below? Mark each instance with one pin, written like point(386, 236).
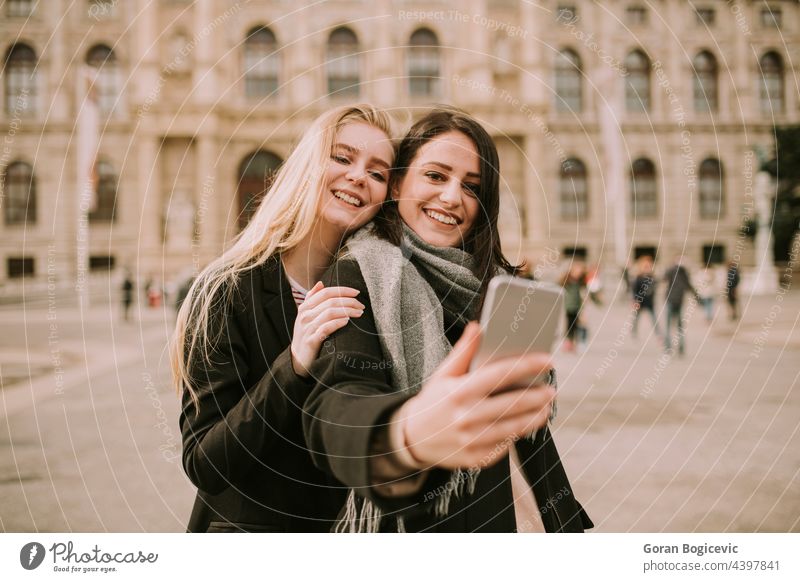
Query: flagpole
point(609, 113)
point(87, 145)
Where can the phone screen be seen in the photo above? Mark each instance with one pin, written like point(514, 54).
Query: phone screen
point(519, 316)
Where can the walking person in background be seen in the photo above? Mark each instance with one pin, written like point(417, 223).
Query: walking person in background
point(644, 293)
point(732, 289)
point(707, 287)
point(574, 284)
point(127, 295)
point(678, 284)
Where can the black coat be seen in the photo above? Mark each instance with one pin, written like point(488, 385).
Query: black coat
point(245, 450)
point(678, 284)
point(644, 290)
point(353, 397)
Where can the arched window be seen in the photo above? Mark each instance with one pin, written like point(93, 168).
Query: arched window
point(105, 209)
point(568, 81)
point(712, 197)
point(256, 173)
point(573, 190)
point(644, 198)
point(261, 63)
point(20, 198)
point(705, 82)
point(771, 83)
point(423, 64)
point(637, 82)
point(343, 65)
point(104, 61)
point(20, 77)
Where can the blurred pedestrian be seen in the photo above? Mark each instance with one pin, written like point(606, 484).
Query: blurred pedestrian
point(732, 289)
point(643, 290)
point(707, 287)
point(127, 295)
point(678, 284)
point(574, 284)
point(154, 293)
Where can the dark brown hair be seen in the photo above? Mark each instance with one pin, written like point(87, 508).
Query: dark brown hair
point(483, 240)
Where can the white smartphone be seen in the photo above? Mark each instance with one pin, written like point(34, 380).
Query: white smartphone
point(519, 316)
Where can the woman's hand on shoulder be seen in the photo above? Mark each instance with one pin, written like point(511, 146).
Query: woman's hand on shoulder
point(464, 419)
point(324, 310)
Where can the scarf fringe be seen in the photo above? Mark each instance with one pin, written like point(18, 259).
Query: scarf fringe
point(460, 480)
point(367, 518)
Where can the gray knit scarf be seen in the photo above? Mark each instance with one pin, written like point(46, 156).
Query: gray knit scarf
point(409, 288)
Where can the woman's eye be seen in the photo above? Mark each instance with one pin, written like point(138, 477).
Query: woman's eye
point(340, 159)
point(378, 177)
point(473, 189)
point(435, 176)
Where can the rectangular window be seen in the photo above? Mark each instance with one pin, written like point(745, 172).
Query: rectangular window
point(636, 15)
point(579, 253)
point(713, 254)
point(18, 267)
point(771, 17)
point(19, 7)
point(100, 9)
point(101, 262)
point(705, 16)
point(566, 13)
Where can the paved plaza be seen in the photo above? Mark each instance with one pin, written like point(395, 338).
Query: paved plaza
point(652, 442)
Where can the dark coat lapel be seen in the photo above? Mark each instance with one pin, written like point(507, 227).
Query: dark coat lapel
point(279, 306)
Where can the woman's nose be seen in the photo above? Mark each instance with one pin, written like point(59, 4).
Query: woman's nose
point(356, 173)
point(451, 193)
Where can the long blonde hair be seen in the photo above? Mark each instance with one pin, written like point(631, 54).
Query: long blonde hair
point(283, 220)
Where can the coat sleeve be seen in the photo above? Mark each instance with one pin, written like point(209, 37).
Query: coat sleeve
point(233, 425)
point(352, 399)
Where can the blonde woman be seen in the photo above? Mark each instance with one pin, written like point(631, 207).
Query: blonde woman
point(241, 381)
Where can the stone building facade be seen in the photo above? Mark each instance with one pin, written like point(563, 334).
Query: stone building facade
point(199, 101)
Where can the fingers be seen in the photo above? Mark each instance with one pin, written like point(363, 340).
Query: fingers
point(457, 361)
point(517, 403)
point(322, 294)
point(506, 373)
point(334, 313)
point(308, 316)
point(317, 286)
point(331, 326)
point(508, 430)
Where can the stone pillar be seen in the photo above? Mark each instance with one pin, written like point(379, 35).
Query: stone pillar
point(539, 215)
point(206, 32)
point(209, 212)
point(149, 188)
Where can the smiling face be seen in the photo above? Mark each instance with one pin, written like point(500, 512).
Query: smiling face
point(356, 177)
point(438, 196)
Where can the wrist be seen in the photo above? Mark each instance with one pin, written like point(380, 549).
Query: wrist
point(399, 441)
point(299, 369)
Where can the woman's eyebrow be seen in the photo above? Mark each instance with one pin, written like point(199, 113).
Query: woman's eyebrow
point(373, 159)
point(450, 169)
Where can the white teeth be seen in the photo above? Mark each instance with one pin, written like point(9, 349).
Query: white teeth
point(443, 218)
point(347, 198)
